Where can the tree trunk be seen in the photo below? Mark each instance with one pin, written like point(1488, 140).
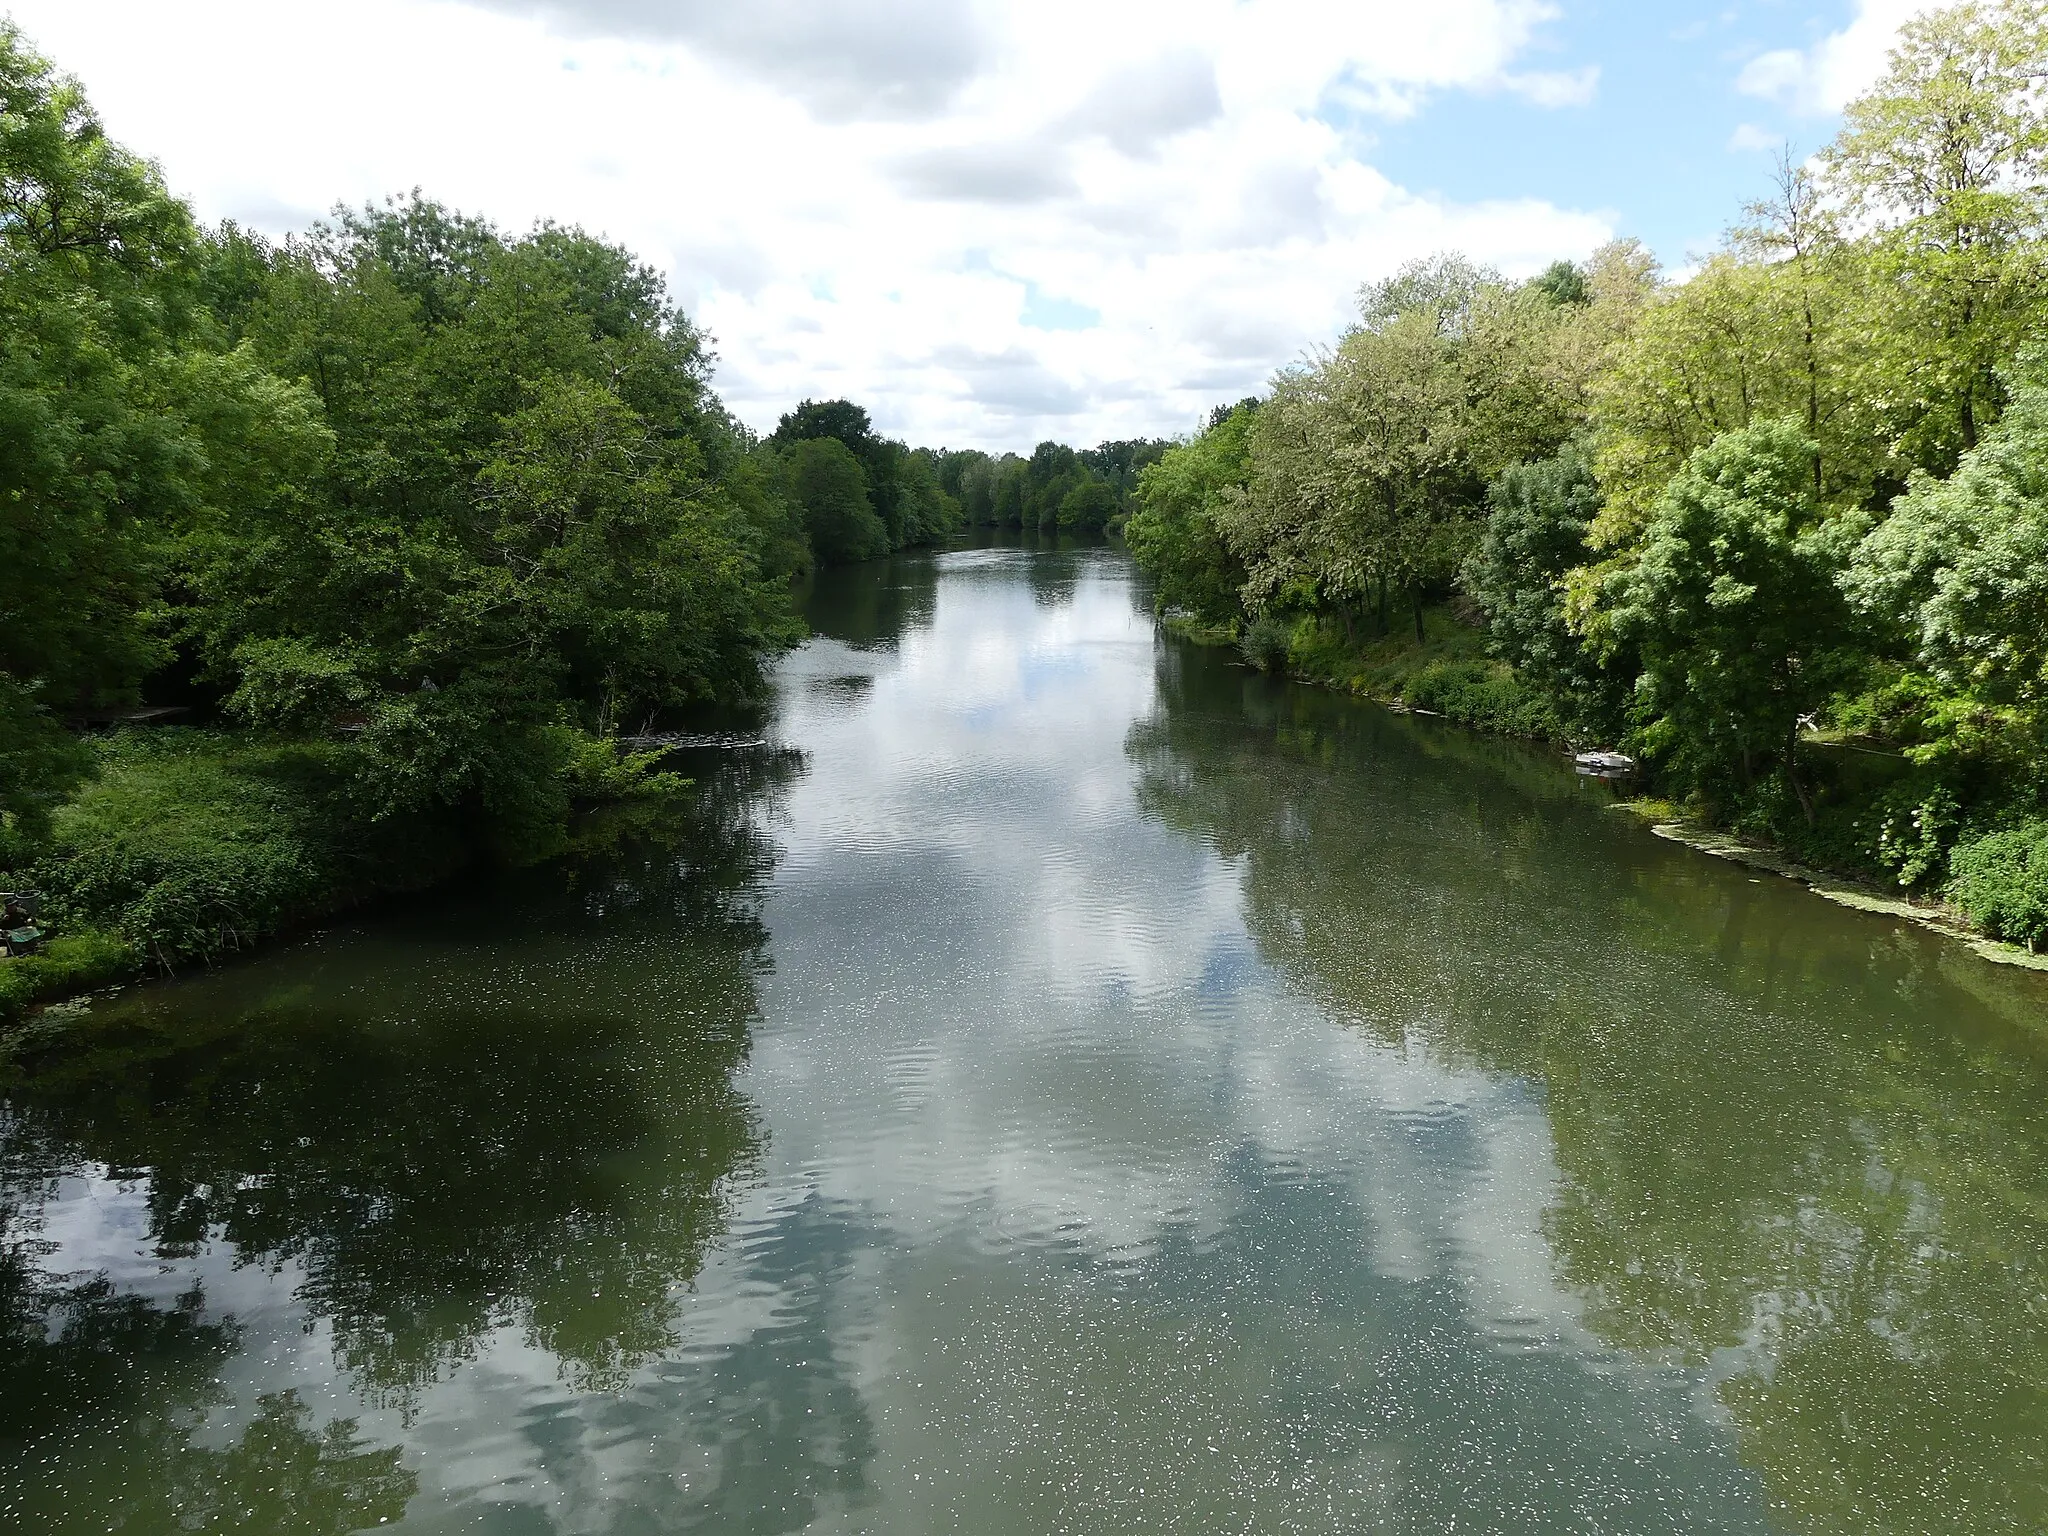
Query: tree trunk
point(1420, 636)
point(1384, 625)
point(1792, 772)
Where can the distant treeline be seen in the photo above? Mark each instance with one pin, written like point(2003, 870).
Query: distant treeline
point(1084, 489)
point(858, 494)
point(1779, 527)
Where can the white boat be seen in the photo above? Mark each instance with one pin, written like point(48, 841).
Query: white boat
point(1604, 765)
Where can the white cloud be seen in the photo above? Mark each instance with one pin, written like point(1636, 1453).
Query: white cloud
point(1749, 138)
point(1825, 78)
point(873, 199)
point(1557, 88)
point(843, 58)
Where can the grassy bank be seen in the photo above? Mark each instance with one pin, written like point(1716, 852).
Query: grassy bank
point(1448, 672)
point(188, 846)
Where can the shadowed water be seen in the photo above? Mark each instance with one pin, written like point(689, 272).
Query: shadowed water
point(1066, 1084)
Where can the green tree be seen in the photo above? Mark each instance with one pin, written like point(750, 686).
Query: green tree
point(1731, 601)
point(1947, 155)
point(1088, 506)
point(503, 505)
point(96, 465)
point(1757, 334)
point(905, 489)
point(1370, 464)
point(1538, 518)
point(1959, 575)
point(826, 481)
point(1012, 490)
point(930, 512)
point(1176, 533)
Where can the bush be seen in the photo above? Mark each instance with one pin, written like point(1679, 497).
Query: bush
point(1485, 695)
point(1266, 642)
point(2001, 883)
point(190, 843)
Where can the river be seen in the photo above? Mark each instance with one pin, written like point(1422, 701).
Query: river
point(1064, 1082)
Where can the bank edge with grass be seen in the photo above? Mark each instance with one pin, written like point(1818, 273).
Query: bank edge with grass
point(187, 847)
point(1998, 884)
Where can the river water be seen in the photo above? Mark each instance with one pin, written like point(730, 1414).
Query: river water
point(1062, 1083)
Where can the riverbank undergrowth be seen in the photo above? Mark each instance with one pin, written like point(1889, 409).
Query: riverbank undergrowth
point(188, 846)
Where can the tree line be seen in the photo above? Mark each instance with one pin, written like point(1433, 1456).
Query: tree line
point(458, 503)
point(1055, 488)
point(1779, 525)
point(415, 517)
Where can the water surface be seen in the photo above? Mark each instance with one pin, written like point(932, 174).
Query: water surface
point(1066, 1084)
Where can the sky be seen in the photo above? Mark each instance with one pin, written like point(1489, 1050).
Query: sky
point(994, 221)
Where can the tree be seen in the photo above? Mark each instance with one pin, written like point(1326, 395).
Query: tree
point(1013, 487)
point(1947, 155)
point(905, 489)
point(839, 419)
point(929, 511)
point(1088, 506)
point(1176, 532)
point(1369, 465)
point(1360, 471)
point(1731, 601)
point(1563, 283)
point(1763, 330)
point(1959, 573)
point(826, 481)
point(1538, 518)
point(96, 466)
point(1120, 463)
point(501, 507)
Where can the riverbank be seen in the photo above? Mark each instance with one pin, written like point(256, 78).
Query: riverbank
point(187, 847)
point(1935, 916)
point(1449, 675)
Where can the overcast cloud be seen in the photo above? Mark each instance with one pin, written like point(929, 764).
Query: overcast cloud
point(989, 222)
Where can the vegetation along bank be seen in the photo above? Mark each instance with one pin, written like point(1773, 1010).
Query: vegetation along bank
point(404, 520)
point(413, 519)
point(1779, 527)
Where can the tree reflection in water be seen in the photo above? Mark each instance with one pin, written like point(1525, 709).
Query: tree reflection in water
point(1798, 1146)
point(519, 1115)
point(107, 1398)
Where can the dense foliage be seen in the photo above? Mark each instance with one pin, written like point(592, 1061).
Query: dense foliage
point(1780, 527)
point(418, 514)
point(888, 496)
point(1082, 490)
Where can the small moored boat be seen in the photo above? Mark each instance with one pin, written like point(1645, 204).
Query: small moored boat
point(1604, 765)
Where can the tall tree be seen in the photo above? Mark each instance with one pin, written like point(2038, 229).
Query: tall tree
point(1947, 155)
point(1176, 532)
point(827, 482)
point(1730, 600)
point(97, 464)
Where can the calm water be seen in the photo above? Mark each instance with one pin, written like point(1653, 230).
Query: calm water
point(1068, 1085)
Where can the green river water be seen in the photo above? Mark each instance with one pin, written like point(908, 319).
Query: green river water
point(1062, 1083)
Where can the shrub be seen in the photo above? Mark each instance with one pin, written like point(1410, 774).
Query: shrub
point(190, 843)
point(1909, 831)
point(1482, 694)
point(1266, 642)
point(2001, 883)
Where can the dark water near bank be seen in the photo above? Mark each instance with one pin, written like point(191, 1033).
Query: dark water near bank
point(1081, 1087)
